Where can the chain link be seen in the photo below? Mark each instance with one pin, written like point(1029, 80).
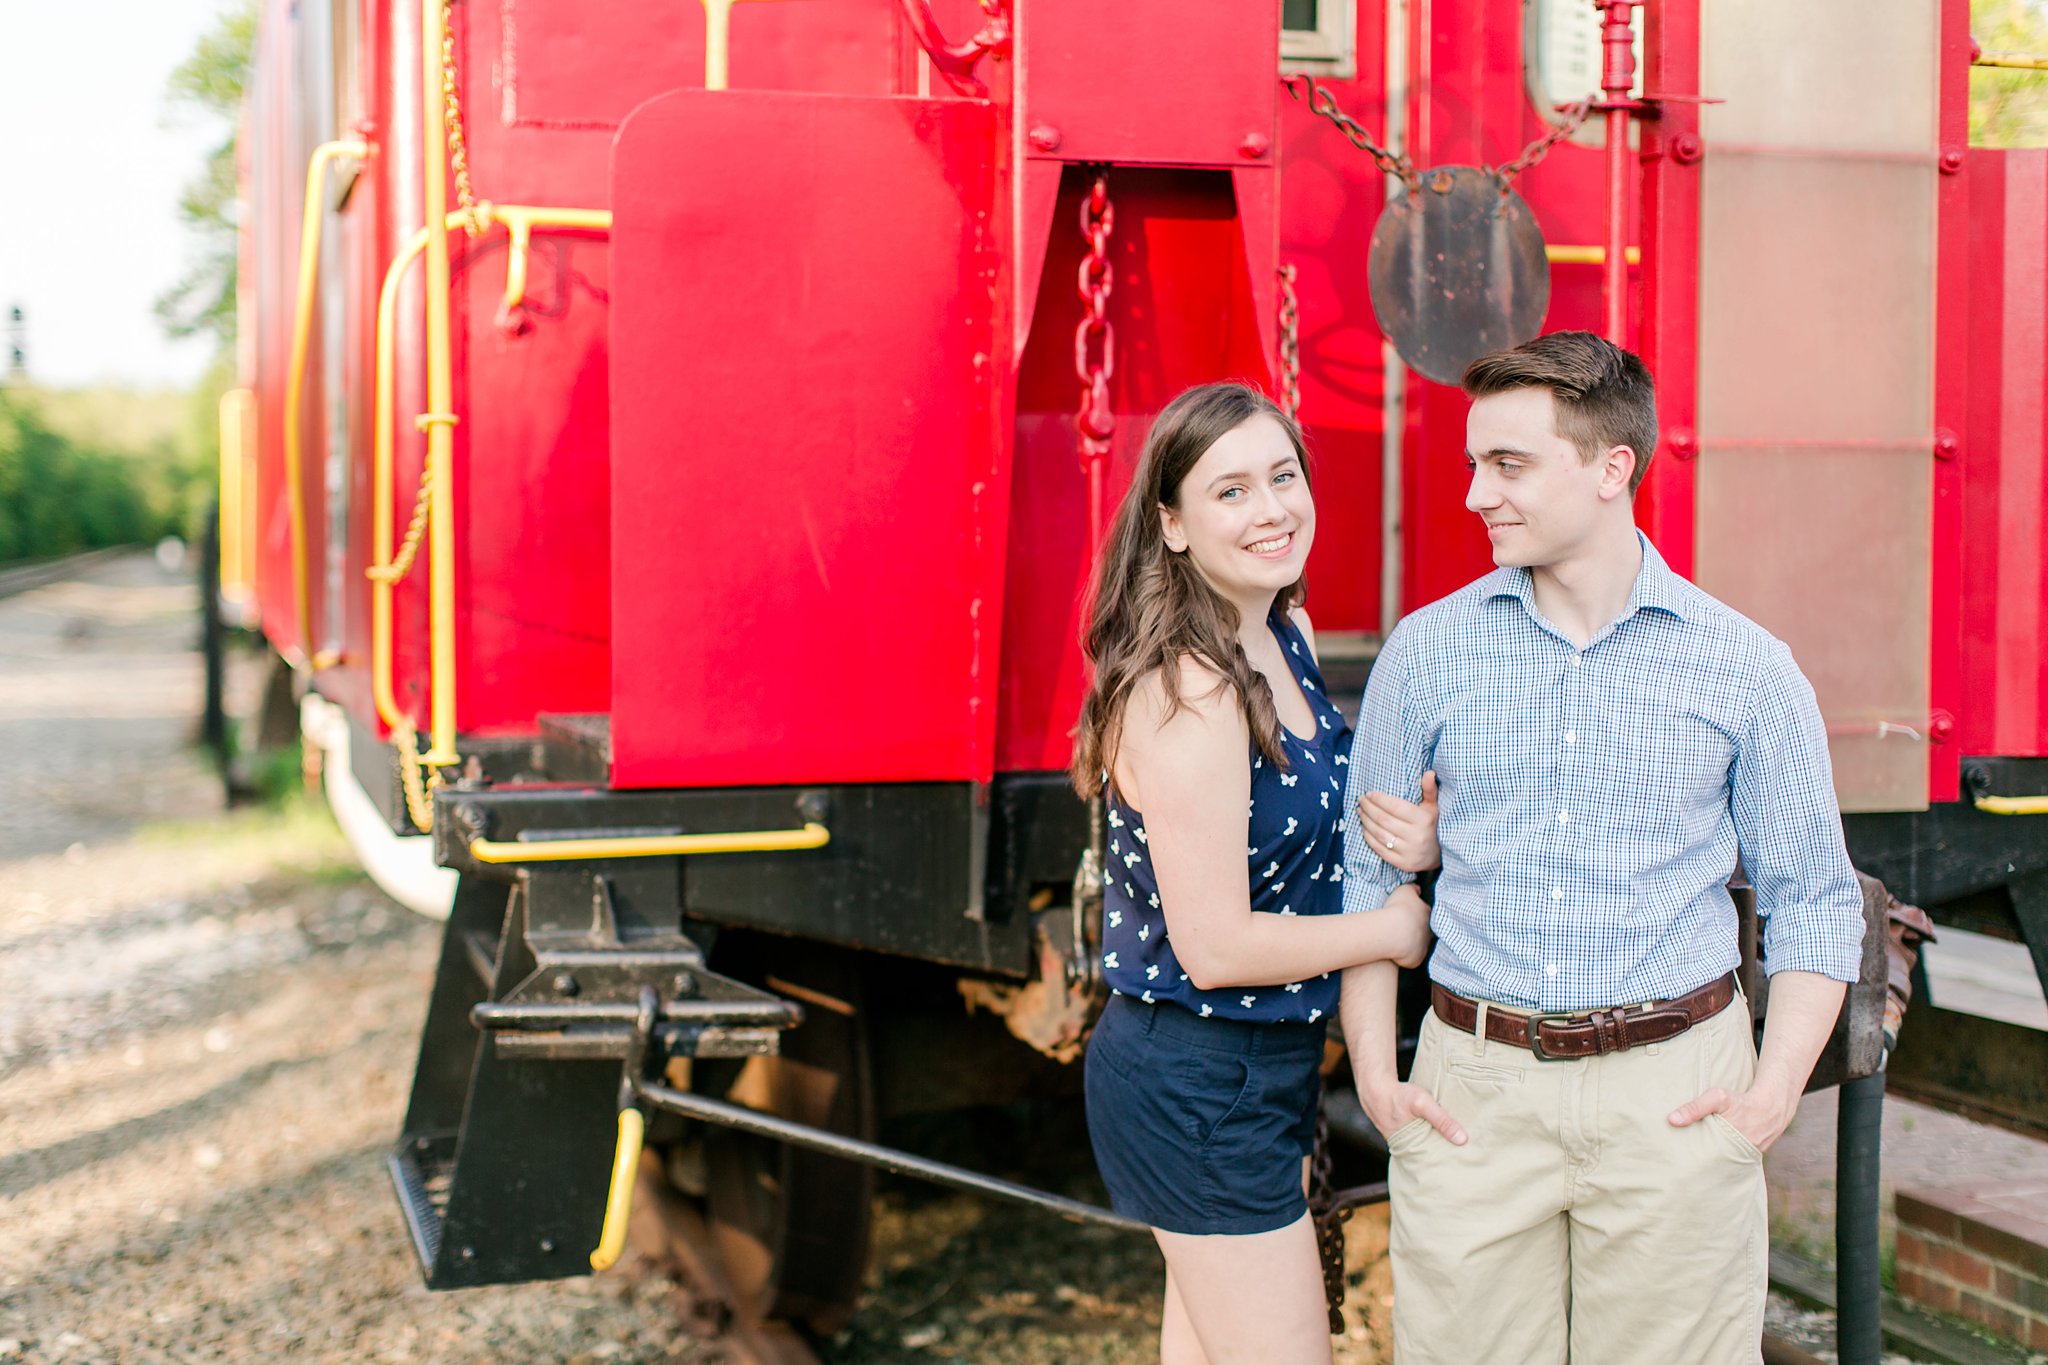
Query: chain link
point(1095, 338)
point(1398, 165)
point(1322, 102)
point(458, 145)
point(415, 530)
point(1290, 344)
point(418, 804)
point(1329, 1220)
point(1540, 148)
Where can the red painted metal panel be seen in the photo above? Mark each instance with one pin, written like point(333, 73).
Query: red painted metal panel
point(1672, 152)
point(1947, 689)
point(803, 343)
point(2004, 473)
point(1150, 81)
point(1183, 313)
point(567, 64)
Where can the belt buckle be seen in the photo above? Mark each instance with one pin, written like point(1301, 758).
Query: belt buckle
point(1534, 1022)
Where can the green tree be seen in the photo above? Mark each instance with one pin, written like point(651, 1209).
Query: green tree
point(58, 498)
point(210, 81)
point(2008, 106)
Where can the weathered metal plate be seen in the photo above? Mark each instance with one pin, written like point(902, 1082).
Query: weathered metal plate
point(1457, 270)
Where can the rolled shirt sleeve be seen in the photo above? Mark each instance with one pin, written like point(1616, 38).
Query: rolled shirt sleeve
point(1789, 829)
point(1388, 754)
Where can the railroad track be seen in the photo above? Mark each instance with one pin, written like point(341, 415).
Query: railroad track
point(22, 577)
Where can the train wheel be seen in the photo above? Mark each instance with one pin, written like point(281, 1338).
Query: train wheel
point(792, 1226)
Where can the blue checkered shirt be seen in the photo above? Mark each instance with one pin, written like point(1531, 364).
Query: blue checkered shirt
point(1594, 801)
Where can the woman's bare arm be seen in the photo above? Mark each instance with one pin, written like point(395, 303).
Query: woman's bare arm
point(1188, 774)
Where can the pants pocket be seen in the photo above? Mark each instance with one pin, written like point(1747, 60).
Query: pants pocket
point(1212, 1088)
point(1732, 1138)
point(1408, 1136)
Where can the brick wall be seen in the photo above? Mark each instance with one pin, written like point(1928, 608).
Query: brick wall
point(1978, 1250)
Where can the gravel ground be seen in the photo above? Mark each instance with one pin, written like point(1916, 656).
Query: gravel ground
point(207, 1028)
point(207, 1031)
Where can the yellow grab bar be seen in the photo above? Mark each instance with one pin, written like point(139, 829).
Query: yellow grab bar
point(295, 377)
point(812, 835)
point(2013, 805)
point(236, 572)
point(618, 1205)
point(1587, 255)
point(384, 580)
point(2024, 61)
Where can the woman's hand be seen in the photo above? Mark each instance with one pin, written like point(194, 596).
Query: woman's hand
point(1411, 918)
point(1402, 832)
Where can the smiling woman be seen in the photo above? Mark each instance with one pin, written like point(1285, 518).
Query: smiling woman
point(1207, 728)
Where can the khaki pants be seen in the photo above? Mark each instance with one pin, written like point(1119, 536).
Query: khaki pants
point(1576, 1223)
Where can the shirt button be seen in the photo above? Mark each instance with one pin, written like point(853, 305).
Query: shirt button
point(1564, 817)
point(1550, 969)
point(1557, 893)
point(1577, 659)
point(1571, 736)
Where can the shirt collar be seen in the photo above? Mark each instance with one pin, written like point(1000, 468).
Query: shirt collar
point(1656, 586)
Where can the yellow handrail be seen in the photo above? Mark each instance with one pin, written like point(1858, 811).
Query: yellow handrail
point(812, 835)
point(1587, 255)
point(520, 219)
point(295, 377)
point(438, 419)
point(235, 569)
point(2013, 805)
point(618, 1204)
point(2024, 61)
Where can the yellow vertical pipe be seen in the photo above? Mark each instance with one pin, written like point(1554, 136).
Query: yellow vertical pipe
point(295, 377)
point(717, 42)
point(234, 545)
point(382, 480)
point(439, 418)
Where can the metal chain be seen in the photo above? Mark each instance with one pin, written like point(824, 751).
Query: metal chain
point(416, 787)
point(1322, 102)
point(458, 145)
point(1397, 164)
point(415, 530)
point(1290, 344)
point(1329, 1219)
point(1574, 115)
point(1094, 338)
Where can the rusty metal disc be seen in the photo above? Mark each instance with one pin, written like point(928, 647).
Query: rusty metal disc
point(1457, 270)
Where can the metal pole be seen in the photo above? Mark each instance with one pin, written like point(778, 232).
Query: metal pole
point(1618, 75)
point(1859, 1337)
point(853, 1149)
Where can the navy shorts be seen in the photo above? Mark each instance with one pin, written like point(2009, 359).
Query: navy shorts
point(1199, 1125)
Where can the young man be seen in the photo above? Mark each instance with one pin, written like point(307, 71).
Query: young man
point(1577, 1153)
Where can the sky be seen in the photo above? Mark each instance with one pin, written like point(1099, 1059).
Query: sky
point(92, 159)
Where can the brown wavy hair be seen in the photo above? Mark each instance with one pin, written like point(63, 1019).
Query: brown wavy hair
point(1151, 608)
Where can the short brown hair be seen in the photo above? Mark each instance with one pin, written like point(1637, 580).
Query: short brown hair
point(1605, 395)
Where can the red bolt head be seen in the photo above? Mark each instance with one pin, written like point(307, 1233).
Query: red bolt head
point(1044, 137)
point(1946, 446)
point(1941, 727)
point(1951, 161)
point(1684, 442)
point(1254, 146)
point(1687, 148)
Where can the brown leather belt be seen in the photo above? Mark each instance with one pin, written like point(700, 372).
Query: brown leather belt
point(1589, 1033)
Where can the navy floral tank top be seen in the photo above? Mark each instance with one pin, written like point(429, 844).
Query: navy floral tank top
point(1294, 861)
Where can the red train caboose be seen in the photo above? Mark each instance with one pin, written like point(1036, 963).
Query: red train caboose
point(612, 366)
